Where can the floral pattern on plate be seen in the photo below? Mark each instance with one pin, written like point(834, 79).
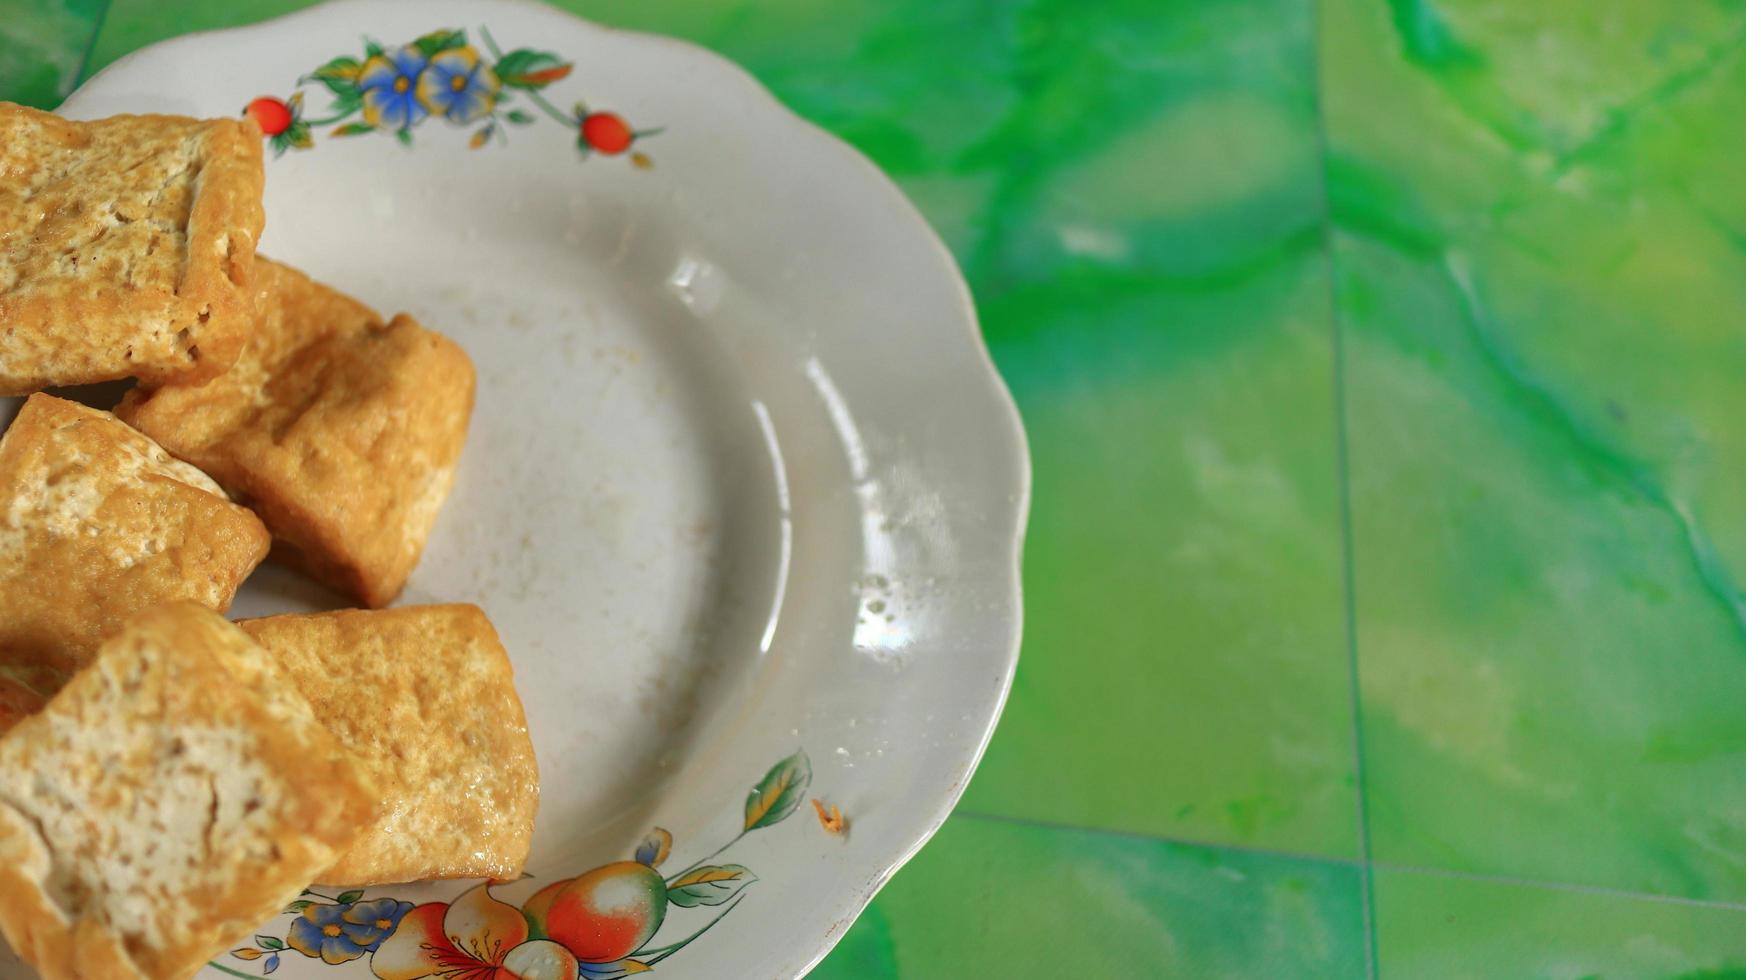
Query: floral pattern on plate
point(442, 75)
point(598, 925)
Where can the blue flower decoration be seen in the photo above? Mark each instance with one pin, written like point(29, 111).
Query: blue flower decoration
point(457, 87)
point(389, 83)
point(341, 933)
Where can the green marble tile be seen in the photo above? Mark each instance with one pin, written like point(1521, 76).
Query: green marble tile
point(1148, 667)
point(1543, 364)
point(1431, 927)
point(1157, 296)
point(1549, 688)
point(42, 45)
point(993, 899)
point(1553, 75)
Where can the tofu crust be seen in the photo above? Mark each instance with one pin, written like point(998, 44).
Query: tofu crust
point(168, 800)
point(127, 247)
point(424, 695)
point(98, 523)
point(342, 432)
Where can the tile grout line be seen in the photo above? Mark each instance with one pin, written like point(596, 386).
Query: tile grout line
point(90, 48)
point(1510, 881)
point(1343, 479)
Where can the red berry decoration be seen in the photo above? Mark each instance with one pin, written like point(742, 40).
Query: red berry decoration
point(607, 133)
point(272, 115)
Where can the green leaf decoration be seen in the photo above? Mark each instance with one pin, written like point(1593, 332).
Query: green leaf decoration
point(347, 102)
point(297, 907)
point(582, 144)
point(268, 942)
point(404, 136)
point(782, 789)
point(339, 75)
point(353, 129)
point(371, 48)
point(437, 41)
point(519, 117)
point(710, 885)
point(347, 898)
point(525, 68)
point(654, 848)
point(298, 136)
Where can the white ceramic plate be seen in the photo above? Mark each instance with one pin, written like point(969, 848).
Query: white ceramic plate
point(742, 485)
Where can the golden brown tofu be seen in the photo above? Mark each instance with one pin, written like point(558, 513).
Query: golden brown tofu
point(97, 523)
point(425, 697)
point(341, 431)
point(127, 247)
point(173, 796)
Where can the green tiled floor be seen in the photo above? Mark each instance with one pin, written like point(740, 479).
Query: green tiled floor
point(1545, 357)
point(1116, 906)
point(1432, 926)
point(1388, 348)
point(1142, 281)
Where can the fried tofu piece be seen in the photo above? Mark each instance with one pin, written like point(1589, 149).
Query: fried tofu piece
point(341, 431)
point(97, 523)
point(127, 247)
point(425, 696)
point(170, 798)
